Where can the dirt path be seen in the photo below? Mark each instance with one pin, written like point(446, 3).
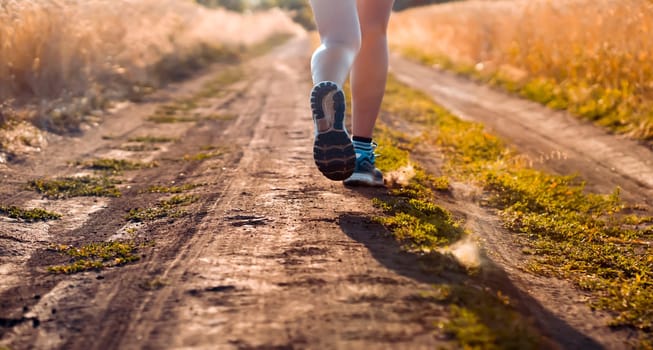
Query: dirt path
point(556, 142)
point(267, 255)
point(553, 140)
point(272, 255)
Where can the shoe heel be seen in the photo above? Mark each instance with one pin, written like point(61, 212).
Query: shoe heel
point(333, 150)
point(317, 95)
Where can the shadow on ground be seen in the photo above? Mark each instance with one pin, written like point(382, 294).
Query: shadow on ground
point(470, 291)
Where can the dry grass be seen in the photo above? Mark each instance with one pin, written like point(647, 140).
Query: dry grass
point(594, 58)
point(92, 50)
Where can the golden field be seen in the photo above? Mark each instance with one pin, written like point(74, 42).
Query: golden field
point(92, 49)
point(591, 57)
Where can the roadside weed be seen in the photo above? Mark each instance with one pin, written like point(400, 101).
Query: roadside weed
point(115, 165)
point(591, 239)
point(29, 215)
point(168, 208)
point(95, 256)
point(67, 187)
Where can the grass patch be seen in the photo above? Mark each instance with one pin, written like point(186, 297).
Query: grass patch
point(171, 119)
point(139, 148)
point(591, 239)
point(152, 139)
point(67, 187)
point(175, 112)
point(29, 215)
point(95, 256)
point(169, 208)
point(412, 215)
point(479, 318)
point(172, 189)
point(116, 165)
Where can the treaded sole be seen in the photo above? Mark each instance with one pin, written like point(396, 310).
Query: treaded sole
point(333, 150)
point(334, 155)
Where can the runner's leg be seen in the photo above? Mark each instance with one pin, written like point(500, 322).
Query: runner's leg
point(337, 22)
point(370, 69)
point(340, 36)
point(368, 79)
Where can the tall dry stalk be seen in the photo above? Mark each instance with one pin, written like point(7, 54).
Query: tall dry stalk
point(57, 48)
point(593, 57)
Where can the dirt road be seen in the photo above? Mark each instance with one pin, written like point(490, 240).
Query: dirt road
point(265, 253)
point(553, 140)
point(272, 255)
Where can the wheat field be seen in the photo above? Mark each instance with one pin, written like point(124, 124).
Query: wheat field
point(59, 49)
point(591, 57)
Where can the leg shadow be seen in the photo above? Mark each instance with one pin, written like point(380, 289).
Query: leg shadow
point(442, 269)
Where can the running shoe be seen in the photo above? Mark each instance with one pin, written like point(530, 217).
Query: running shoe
point(365, 173)
point(332, 149)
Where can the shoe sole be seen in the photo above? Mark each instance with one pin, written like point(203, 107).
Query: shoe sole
point(363, 180)
point(333, 150)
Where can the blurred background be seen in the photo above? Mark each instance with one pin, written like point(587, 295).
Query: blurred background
point(62, 59)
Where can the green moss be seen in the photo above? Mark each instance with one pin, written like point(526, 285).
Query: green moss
point(29, 215)
point(116, 165)
point(177, 111)
point(95, 256)
point(440, 183)
point(481, 319)
point(172, 189)
point(411, 214)
point(169, 208)
point(139, 148)
point(426, 225)
point(171, 119)
point(75, 187)
point(152, 139)
point(585, 237)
